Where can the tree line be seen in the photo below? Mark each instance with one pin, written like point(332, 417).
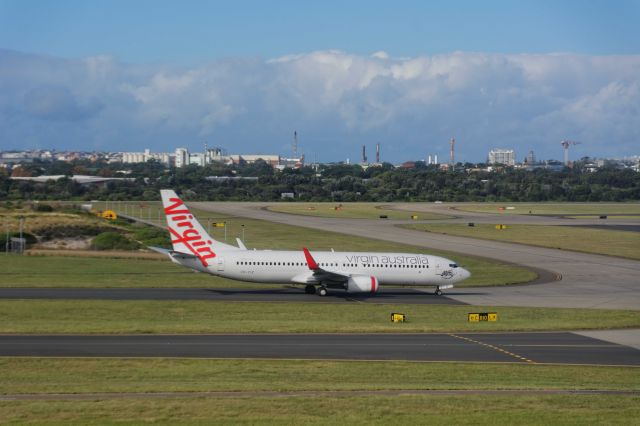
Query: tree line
point(337, 182)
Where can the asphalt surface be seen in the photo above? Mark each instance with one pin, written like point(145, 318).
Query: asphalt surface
point(586, 280)
point(289, 294)
point(627, 228)
point(555, 348)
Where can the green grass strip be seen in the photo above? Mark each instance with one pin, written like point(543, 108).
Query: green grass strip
point(354, 410)
point(544, 208)
point(583, 239)
point(107, 375)
point(122, 317)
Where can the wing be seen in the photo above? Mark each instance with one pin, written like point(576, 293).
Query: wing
point(323, 275)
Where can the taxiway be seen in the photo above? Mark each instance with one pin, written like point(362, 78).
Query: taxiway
point(527, 348)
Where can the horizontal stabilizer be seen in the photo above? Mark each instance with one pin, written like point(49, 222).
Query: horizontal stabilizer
point(174, 254)
point(241, 244)
point(181, 255)
point(160, 250)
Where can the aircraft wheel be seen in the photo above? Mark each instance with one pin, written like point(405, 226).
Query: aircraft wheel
point(310, 289)
point(438, 292)
point(322, 291)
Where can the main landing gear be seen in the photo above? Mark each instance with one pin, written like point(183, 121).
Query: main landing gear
point(311, 289)
point(438, 292)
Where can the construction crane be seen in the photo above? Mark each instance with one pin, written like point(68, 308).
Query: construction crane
point(565, 144)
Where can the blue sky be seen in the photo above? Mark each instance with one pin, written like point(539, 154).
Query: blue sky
point(157, 30)
point(245, 74)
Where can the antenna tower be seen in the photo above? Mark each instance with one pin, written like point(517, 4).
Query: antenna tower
point(294, 145)
point(378, 153)
point(452, 144)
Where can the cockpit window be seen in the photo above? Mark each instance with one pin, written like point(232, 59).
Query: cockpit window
point(453, 265)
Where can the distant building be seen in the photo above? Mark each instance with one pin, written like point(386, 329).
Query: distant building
point(531, 158)
point(143, 157)
point(197, 158)
point(272, 160)
point(291, 163)
point(12, 158)
point(216, 155)
point(502, 156)
point(182, 157)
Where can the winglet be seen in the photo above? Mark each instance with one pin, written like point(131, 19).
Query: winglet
point(310, 260)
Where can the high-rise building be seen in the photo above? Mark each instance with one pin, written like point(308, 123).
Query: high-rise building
point(502, 156)
point(531, 158)
point(182, 157)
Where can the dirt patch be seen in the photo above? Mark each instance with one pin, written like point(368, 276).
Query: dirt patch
point(75, 243)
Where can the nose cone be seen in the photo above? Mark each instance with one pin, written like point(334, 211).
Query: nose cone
point(463, 274)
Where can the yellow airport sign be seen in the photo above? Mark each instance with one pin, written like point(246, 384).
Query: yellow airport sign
point(483, 316)
point(219, 224)
point(397, 317)
point(109, 215)
point(501, 226)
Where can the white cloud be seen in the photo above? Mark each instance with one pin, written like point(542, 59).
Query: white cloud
point(411, 105)
point(381, 54)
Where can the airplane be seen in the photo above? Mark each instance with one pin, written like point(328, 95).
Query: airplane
point(354, 272)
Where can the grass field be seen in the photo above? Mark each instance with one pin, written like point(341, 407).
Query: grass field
point(560, 209)
point(158, 317)
point(351, 211)
point(303, 378)
point(328, 410)
point(583, 239)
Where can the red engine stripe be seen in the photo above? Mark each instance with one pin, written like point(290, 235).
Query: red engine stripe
point(374, 282)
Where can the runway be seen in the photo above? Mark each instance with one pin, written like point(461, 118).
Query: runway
point(524, 348)
point(287, 294)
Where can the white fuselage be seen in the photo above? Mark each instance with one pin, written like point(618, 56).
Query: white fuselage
point(356, 272)
point(291, 267)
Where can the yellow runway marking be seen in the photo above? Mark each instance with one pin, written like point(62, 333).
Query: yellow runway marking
point(496, 348)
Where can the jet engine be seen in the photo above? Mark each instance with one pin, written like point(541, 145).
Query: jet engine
point(362, 284)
